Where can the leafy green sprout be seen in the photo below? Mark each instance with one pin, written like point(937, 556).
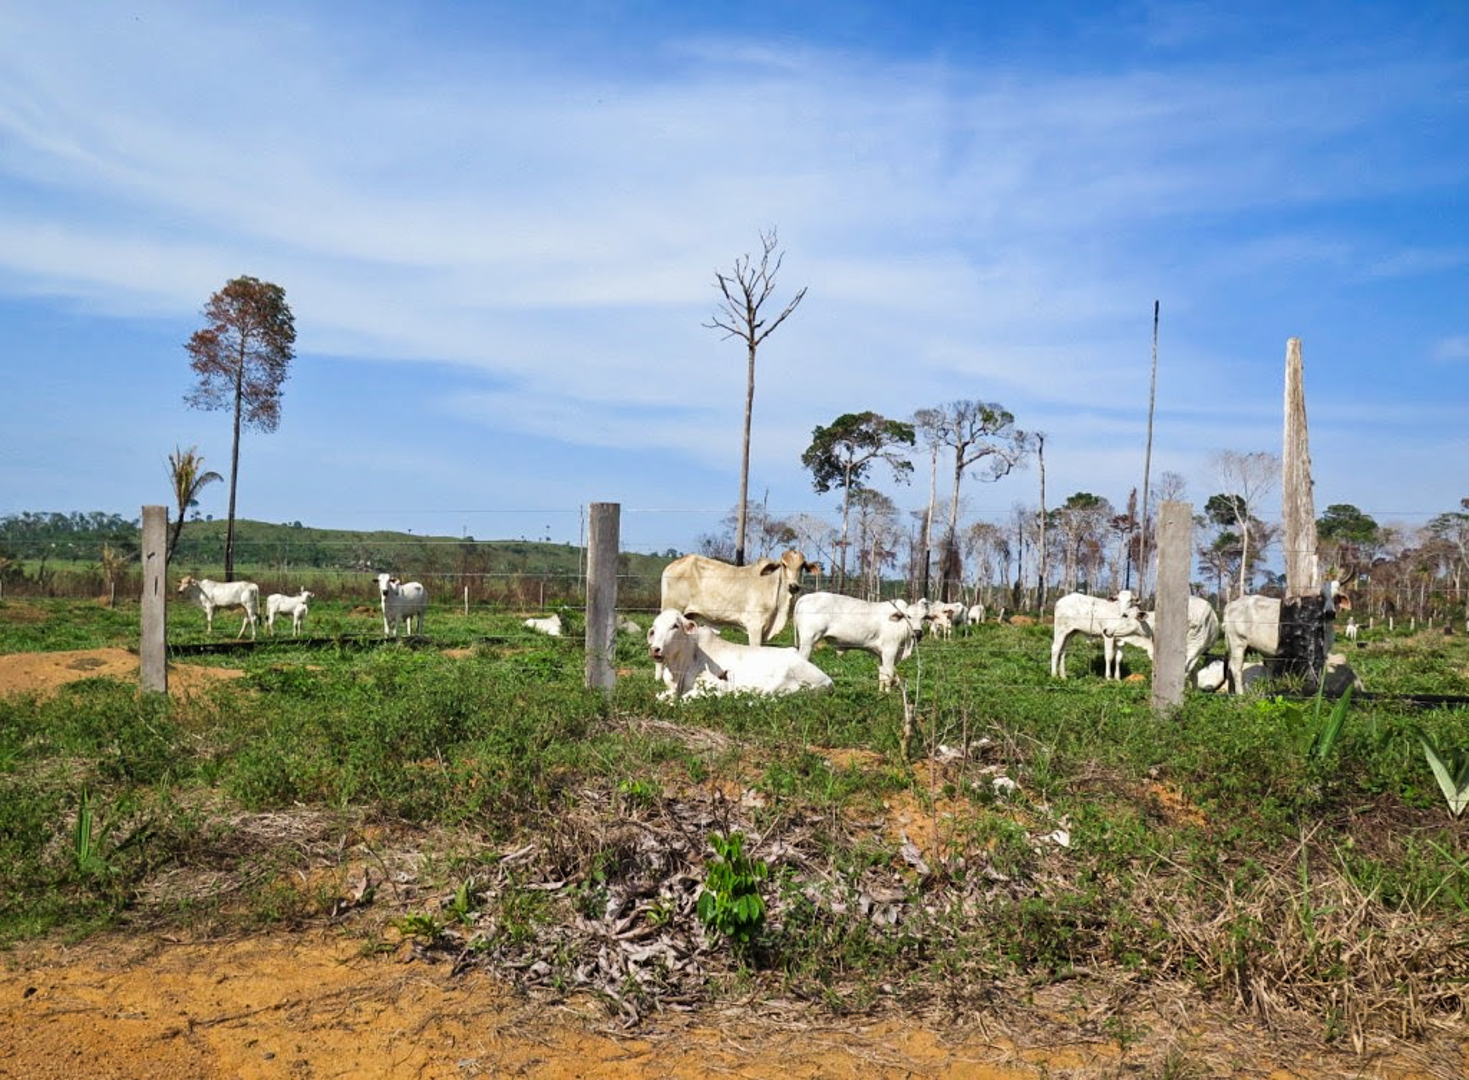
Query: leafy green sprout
point(1451, 770)
point(730, 902)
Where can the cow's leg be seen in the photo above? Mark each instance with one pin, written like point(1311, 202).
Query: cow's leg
point(1058, 655)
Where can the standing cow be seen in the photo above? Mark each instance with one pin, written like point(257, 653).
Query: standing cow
point(1253, 622)
point(1078, 613)
point(887, 629)
point(402, 605)
point(757, 597)
point(210, 595)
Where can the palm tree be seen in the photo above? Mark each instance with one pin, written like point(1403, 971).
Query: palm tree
point(186, 470)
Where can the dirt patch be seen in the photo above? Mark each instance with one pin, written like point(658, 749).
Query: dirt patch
point(25, 673)
point(316, 1005)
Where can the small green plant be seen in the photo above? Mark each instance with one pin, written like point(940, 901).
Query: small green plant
point(731, 903)
point(1451, 770)
point(420, 925)
point(1326, 734)
point(85, 847)
point(462, 906)
point(638, 792)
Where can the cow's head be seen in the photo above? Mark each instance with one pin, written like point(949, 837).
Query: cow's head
point(187, 583)
point(791, 564)
point(386, 584)
point(669, 630)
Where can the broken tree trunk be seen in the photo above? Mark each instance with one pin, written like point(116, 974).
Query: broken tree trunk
point(1302, 646)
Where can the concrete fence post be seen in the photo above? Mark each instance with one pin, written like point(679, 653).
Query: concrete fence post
point(602, 551)
point(1170, 614)
point(152, 651)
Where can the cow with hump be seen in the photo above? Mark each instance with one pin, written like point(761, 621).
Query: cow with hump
point(757, 597)
point(694, 661)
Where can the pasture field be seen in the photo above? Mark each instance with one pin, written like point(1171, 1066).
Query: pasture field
point(466, 799)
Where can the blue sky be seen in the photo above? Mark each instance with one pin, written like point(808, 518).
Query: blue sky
point(498, 227)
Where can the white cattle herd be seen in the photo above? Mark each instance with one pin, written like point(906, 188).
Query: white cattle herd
point(691, 657)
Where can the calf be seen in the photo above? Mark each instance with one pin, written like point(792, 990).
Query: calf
point(1078, 613)
point(294, 606)
point(401, 604)
point(695, 660)
point(1199, 638)
point(948, 616)
point(224, 594)
point(887, 629)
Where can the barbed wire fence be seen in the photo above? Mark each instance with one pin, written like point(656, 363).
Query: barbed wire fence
point(525, 570)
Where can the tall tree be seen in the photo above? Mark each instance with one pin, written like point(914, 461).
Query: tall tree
point(746, 291)
point(186, 472)
point(841, 453)
point(1246, 479)
point(241, 358)
point(977, 431)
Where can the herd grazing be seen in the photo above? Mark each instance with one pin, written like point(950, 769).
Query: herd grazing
point(692, 658)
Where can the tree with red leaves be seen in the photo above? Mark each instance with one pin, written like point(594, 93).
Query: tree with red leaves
point(241, 358)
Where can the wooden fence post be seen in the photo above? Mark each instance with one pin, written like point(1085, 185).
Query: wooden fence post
point(602, 551)
point(1170, 613)
point(152, 651)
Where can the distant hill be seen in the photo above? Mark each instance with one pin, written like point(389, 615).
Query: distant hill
point(266, 551)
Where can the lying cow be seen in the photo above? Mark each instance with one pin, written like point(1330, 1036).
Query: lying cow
point(756, 597)
point(1078, 613)
point(1199, 638)
point(209, 595)
point(282, 604)
point(887, 629)
point(694, 660)
point(1253, 623)
point(551, 625)
point(402, 604)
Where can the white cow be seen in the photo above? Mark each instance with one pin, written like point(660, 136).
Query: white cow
point(757, 597)
point(1253, 622)
point(887, 629)
point(626, 625)
point(946, 617)
point(402, 603)
point(281, 604)
point(974, 616)
point(1351, 629)
point(1078, 613)
point(551, 625)
point(224, 594)
point(1199, 638)
point(694, 660)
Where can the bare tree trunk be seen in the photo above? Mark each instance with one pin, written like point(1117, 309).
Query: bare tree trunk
point(1298, 517)
point(229, 533)
point(1142, 555)
point(745, 461)
point(933, 488)
point(1040, 585)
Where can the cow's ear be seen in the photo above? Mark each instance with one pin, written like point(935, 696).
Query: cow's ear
point(897, 616)
point(812, 568)
point(769, 566)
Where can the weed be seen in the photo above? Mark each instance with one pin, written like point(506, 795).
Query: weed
point(730, 903)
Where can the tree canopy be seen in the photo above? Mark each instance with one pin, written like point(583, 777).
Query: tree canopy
point(241, 358)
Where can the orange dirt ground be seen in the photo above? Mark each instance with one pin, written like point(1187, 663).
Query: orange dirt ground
point(314, 1004)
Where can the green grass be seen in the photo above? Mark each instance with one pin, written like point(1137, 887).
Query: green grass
point(1193, 839)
